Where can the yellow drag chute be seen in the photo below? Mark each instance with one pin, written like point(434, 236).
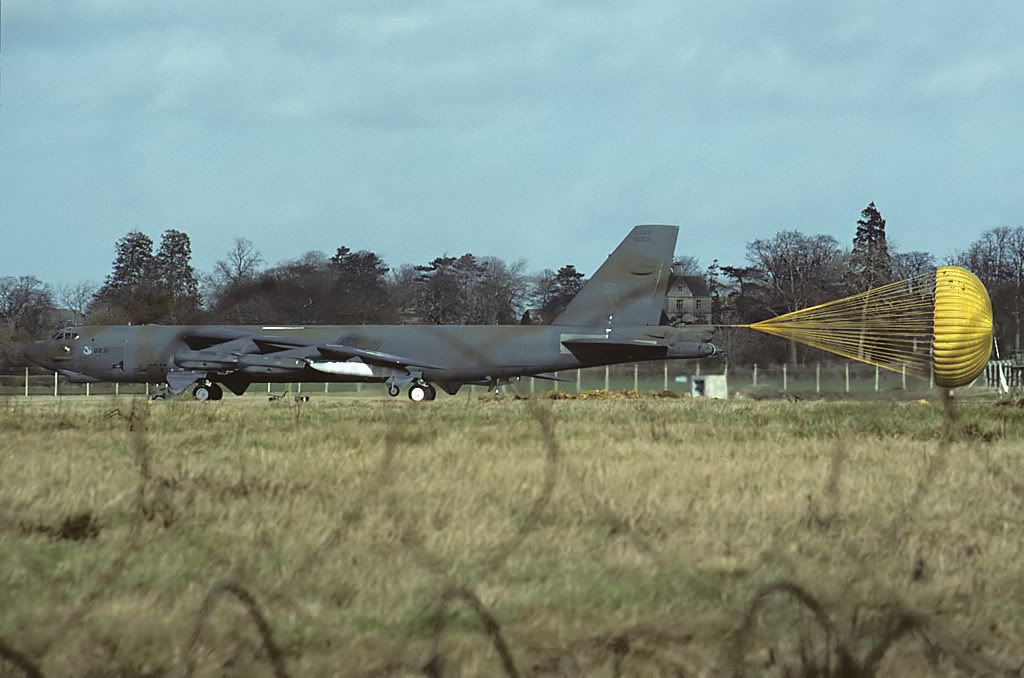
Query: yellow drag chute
point(938, 323)
point(962, 338)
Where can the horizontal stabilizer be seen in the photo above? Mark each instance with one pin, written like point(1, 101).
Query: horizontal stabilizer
point(600, 350)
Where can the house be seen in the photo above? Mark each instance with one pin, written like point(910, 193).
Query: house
point(688, 300)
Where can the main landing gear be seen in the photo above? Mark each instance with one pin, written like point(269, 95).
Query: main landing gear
point(418, 391)
point(207, 390)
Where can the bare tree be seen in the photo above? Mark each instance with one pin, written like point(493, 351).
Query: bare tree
point(26, 303)
point(242, 262)
point(500, 294)
point(803, 270)
point(997, 258)
point(684, 264)
point(77, 297)
point(909, 264)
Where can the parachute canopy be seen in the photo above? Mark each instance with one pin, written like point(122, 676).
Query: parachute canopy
point(938, 323)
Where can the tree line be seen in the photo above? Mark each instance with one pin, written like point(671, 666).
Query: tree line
point(151, 283)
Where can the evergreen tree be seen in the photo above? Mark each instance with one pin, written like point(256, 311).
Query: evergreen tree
point(870, 262)
point(127, 293)
point(553, 291)
point(177, 288)
point(133, 263)
point(360, 291)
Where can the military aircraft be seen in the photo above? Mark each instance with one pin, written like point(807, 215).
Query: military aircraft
point(613, 319)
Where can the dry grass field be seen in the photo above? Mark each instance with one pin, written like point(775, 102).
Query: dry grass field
point(360, 537)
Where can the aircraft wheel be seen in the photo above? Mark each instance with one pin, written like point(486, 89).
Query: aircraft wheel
point(158, 396)
point(202, 392)
point(418, 393)
point(216, 392)
point(393, 390)
point(431, 392)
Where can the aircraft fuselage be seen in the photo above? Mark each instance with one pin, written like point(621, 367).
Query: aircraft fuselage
point(441, 353)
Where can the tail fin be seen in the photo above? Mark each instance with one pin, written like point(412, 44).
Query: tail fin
point(629, 288)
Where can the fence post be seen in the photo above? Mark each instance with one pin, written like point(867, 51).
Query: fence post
point(847, 366)
point(531, 385)
point(87, 388)
point(785, 378)
point(578, 380)
point(268, 387)
point(326, 385)
point(665, 385)
point(26, 382)
point(300, 387)
point(117, 388)
point(904, 376)
point(556, 382)
point(755, 374)
point(359, 387)
point(817, 377)
point(876, 378)
point(54, 384)
point(931, 377)
point(697, 373)
point(606, 370)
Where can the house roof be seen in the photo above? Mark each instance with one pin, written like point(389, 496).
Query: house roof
point(698, 285)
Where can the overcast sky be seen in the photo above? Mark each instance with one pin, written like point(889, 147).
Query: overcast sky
point(525, 129)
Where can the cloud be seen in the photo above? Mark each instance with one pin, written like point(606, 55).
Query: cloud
point(517, 129)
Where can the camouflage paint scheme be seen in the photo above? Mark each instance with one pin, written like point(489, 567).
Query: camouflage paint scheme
point(613, 319)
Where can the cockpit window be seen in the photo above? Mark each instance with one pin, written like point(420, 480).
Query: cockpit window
point(65, 335)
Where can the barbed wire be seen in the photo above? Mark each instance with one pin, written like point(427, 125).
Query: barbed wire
point(149, 503)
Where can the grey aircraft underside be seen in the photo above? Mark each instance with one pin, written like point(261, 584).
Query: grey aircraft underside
point(613, 319)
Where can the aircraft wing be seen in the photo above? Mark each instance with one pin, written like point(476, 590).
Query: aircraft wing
point(228, 345)
point(343, 352)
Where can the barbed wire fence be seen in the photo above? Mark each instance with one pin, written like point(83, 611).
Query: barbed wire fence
point(151, 503)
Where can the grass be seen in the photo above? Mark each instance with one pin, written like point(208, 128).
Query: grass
point(476, 537)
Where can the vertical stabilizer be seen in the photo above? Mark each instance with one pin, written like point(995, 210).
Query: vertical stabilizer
point(631, 284)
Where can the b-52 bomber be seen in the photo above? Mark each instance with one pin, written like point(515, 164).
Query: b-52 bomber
point(613, 319)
